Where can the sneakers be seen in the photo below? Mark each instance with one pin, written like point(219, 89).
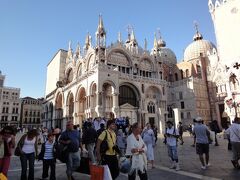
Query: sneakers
point(203, 167)
point(177, 167)
point(208, 165)
point(173, 166)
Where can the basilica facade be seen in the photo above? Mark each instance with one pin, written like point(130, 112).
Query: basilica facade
point(126, 80)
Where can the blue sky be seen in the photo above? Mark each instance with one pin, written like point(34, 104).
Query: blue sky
point(32, 31)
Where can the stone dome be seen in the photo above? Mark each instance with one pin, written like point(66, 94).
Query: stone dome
point(167, 55)
point(197, 47)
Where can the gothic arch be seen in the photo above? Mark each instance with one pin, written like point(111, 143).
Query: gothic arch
point(70, 105)
point(90, 61)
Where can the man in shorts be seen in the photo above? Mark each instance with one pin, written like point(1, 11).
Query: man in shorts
point(201, 132)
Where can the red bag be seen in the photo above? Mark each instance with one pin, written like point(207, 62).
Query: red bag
point(97, 172)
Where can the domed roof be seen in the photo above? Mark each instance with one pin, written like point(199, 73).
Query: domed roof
point(167, 55)
point(199, 46)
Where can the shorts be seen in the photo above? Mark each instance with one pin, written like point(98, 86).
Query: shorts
point(202, 148)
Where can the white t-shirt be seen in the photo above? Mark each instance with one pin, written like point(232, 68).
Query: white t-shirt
point(172, 141)
point(29, 146)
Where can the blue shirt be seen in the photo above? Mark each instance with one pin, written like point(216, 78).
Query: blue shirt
point(200, 130)
point(74, 137)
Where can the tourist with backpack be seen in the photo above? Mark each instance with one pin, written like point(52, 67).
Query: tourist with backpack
point(171, 136)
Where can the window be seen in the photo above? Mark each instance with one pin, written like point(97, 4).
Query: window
point(26, 113)
point(3, 110)
point(188, 115)
point(180, 95)
point(199, 71)
point(13, 110)
point(161, 75)
point(182, 115)
point(127, 95)
point(163, 90)
point(170, 112)
point(151, 107)
point(6, 109)
point(16, 110)
point(25, 120)
point(176, 77)
point(182, 105)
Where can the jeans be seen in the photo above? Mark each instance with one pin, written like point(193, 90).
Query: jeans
point(73, 162)
point(4, 164)
point(90, 148)
point(46, 164)
point(142, 176)
point(112, 162)
point(24, 158)
point(172, 153)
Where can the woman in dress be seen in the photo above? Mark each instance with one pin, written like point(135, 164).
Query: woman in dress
point(149, 140)
point(136, 150)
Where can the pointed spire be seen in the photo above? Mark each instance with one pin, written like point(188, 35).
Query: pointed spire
point(132, 35)
point(145, 44)
point(100, 29)
point(155, 44)
point(78, 50)
point(87, 41)
point(70, 53)
point(119, 37)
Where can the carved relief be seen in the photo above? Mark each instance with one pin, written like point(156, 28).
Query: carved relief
point(146, 65)
point(118, 58)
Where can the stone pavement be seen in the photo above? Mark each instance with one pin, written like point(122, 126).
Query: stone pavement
point(190, 166)
point(220, 157)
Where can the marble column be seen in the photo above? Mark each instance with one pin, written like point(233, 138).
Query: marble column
point(115, 107)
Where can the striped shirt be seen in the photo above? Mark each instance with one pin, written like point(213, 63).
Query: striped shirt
point(48, 150)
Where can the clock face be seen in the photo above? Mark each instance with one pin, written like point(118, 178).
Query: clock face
point(234, 10)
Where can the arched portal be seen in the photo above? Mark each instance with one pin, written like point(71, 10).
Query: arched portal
point(70, 106)
point(129, 98)
point(81, 105)
point(59, 111)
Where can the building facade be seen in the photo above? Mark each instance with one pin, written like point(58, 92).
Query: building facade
point(31, 112)
point(9, 104)
point(125, 80)
point(226, 15)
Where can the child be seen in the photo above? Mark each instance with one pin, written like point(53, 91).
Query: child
point(47, 154)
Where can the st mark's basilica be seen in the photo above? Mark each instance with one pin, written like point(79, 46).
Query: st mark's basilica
point(124, 79)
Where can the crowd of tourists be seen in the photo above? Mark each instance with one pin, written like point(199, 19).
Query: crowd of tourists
point(122, 146)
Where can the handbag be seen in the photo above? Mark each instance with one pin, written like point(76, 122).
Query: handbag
point(84, 166)
point(62, 152)
point(107, 174)
point(17, 151)
point(104, 145)
point(97, 172)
